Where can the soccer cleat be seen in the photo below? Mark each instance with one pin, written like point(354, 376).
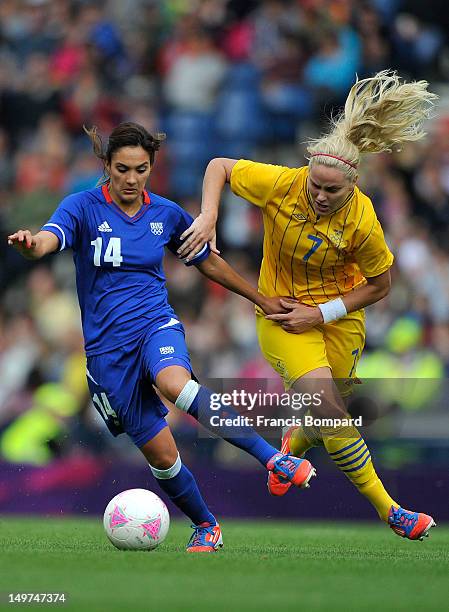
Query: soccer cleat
point(277, 485)
point(205, 538)
point(288, 470)
point(411, 525)
point(274, 484)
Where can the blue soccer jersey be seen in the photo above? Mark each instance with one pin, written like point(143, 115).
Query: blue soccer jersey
point(118, 259)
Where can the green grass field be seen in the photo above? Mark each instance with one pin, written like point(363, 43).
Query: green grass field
point(264, 566)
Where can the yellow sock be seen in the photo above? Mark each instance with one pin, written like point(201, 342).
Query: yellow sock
point(299, 442)
point(375, 492)
point(351, 455)
point(303, 438)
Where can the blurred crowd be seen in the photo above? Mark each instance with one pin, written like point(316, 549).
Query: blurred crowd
point(249, 79)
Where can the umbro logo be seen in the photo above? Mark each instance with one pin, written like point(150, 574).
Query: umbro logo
point(104, 227)
point(299, 217)
point(157, 228)
point(166, 350)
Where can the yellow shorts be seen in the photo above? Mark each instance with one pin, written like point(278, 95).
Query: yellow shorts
point(337, 345)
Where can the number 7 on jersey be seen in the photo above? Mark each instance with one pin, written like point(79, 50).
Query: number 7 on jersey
point(316, 243)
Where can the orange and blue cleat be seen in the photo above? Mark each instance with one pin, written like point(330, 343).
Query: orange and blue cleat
point(279, 485)
point(411, 525)
point(286, 470)
point(205, 538)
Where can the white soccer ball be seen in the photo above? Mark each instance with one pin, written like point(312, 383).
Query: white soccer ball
point(136, 519)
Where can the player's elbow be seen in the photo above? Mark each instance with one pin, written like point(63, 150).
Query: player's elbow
point(383, 288)
point(383, 292)
point(215, 165)
point(221, 165)
point(217, 162)
point(386, 288)
point(380, 286)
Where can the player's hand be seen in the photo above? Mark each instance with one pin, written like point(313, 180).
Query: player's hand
point(272, 305)
point(195, 237)
point(23, 241)
point(298, 318)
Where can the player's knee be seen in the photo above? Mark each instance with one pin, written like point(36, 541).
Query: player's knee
point(170, 392)
point(330, 408)
point(164, 460)
point(172, 387)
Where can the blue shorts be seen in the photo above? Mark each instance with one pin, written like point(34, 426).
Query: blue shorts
point(121, 382)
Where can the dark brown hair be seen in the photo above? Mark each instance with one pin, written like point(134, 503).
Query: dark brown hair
point(126, 134)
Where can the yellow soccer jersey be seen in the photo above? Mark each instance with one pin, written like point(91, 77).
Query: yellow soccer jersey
point(310, 257)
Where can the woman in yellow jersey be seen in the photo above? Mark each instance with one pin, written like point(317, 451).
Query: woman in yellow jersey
point(324, 251)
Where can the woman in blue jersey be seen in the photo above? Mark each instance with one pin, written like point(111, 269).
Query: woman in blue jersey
point(133, 338)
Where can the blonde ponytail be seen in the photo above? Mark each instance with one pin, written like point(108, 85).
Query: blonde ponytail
point(380, 114)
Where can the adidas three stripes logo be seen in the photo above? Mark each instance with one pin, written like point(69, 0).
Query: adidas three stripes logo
point(104, 227)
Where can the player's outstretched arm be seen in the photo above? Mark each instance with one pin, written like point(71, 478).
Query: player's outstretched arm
point(202, 230)
point(216, 268)
point(33, 246)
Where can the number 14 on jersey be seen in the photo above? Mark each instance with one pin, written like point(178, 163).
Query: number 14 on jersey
point(113, 253)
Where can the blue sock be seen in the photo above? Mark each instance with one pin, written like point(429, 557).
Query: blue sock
point(183, 491)
point(197, 402)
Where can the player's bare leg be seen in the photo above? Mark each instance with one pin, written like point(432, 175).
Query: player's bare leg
point(161, 452)
point(179, 484)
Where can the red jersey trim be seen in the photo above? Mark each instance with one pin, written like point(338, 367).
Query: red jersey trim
point(106, 194)
point(109, 200)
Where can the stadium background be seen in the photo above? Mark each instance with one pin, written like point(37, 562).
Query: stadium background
point(221, 78)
